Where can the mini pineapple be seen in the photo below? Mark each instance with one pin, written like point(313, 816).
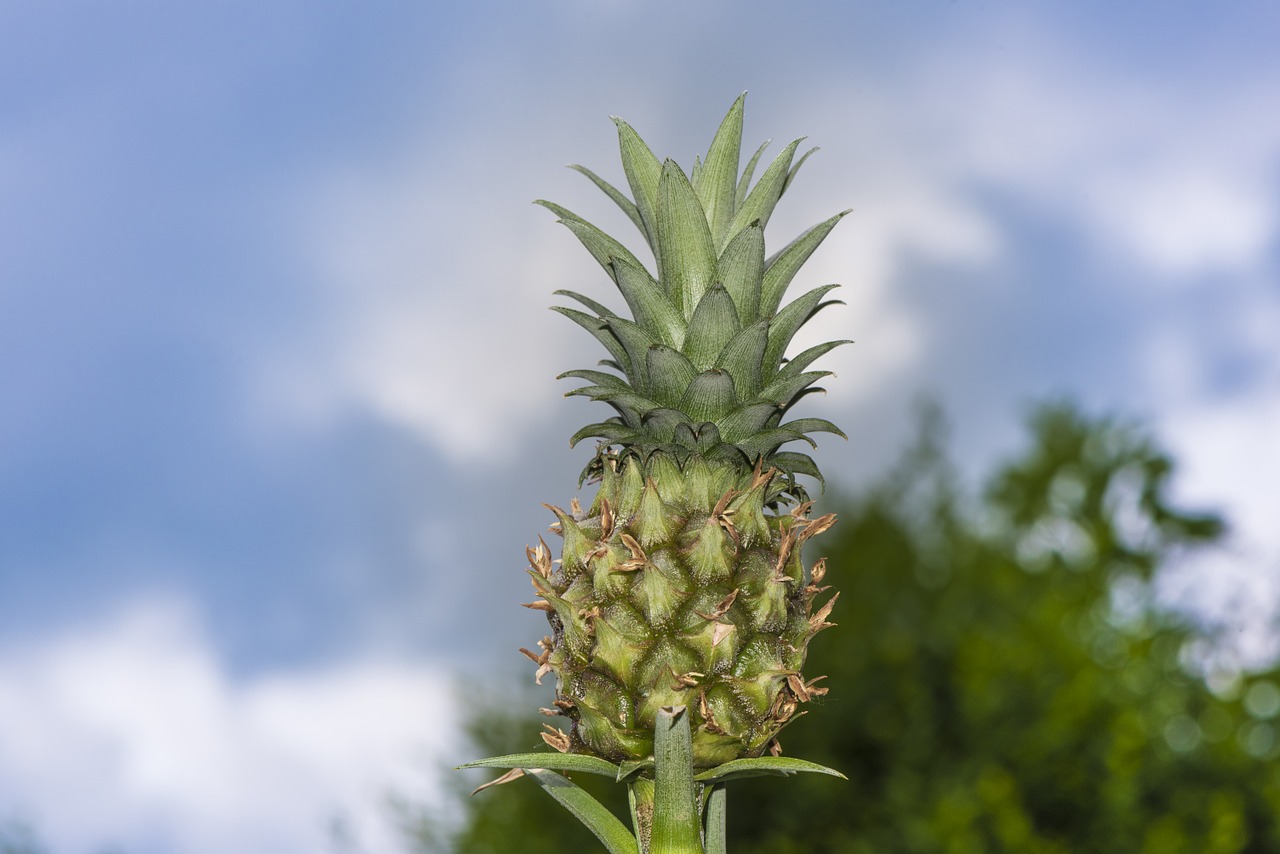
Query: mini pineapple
point(683, 584)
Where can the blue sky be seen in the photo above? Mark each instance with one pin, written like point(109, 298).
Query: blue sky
point(278, 378)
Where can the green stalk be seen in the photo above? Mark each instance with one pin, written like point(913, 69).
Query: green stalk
point(640, 794)
point(715, 810)
point(677, 826)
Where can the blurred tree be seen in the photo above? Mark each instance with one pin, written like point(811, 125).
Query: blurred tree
point(17, 837)
point(1002, 678)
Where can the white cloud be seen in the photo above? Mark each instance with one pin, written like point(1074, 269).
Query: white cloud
point(1173, 176)
point(1181, 185)
point(1181, 217)
point(132, 733)
point(1228, 458)
point(441, 271)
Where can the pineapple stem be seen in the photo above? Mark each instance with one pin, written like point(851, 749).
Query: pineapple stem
point(677, 826)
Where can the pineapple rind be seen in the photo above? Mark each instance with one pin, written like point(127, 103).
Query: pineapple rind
point(707, 616)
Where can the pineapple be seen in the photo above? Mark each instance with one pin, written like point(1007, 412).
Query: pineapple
point(683, 584)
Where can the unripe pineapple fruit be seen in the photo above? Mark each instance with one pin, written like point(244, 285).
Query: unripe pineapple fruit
point(683, 584)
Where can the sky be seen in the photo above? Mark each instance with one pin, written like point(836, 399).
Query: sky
point(277, 376)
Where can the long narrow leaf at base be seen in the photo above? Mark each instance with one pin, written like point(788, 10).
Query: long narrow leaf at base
point(586, 809)
point(550, 761)
point(783, 766)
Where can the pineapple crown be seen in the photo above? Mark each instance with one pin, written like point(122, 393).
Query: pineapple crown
point(702, 365)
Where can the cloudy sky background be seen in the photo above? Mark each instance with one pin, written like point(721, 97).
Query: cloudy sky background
point(277, 396)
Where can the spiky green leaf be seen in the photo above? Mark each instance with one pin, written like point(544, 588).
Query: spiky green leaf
point(602, 333)
point(747, 420)
point(601, 246)
point(710, 396)
point(670, 373)
point(783, 266)
point(814, 425)
point(790, 461)
point(784, 390)
point(661, 423)
point(801, 396)
point(741, 271)
point(619, 198)
point(649, 304)
point(796, 364)
point(625, 400)
point(742, 356)
point(717, 180)
point(612, 432)
point(744, 183)
point(712, 327)
point(642, 169)
point(787, 322)
point(688, 262)
point(636, 340)
point(598, 308)
point(594, 377)
point(791, 174)
point(766, 442)
point(764, 196)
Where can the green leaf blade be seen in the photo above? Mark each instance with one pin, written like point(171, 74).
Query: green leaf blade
point(649, 304)
point(762, 199)
point(551, 761)
point(764, 765)
point(787, 322)
point(600, 330)
point(717, 180)
point(688, 261)
point(783, 266)
point(601, 246)
point(594, 815)
point(713, 325)
point(741, 270)
point(628, 207)
point(710, 396)
point(643, 171)
point(798, 363)
point(742, 358)
point(670, 374)
point(744, 183)
point(636, 341)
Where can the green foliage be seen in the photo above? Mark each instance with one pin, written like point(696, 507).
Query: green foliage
point(1001, 680)
point(516, 816)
